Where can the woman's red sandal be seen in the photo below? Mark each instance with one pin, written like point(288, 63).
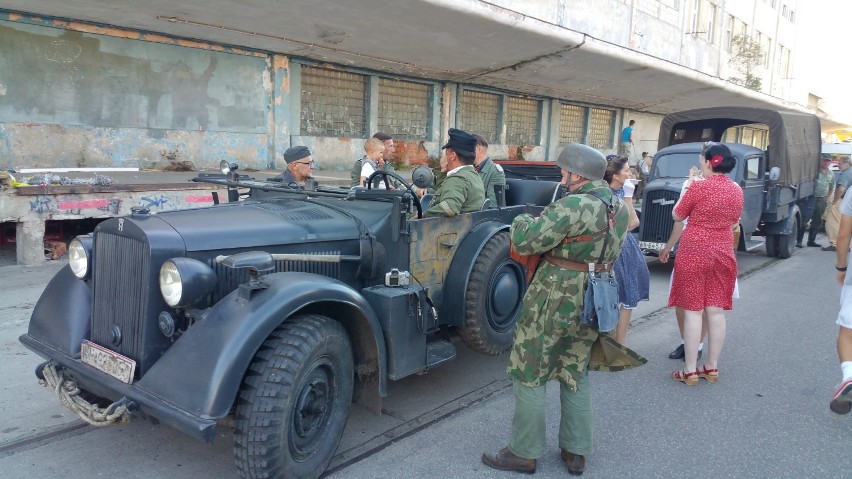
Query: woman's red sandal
point(711, 375)
point(690, 379)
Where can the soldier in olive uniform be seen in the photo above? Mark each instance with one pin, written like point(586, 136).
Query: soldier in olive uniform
point(551, 342)
point(462, 190)
point(491, 173)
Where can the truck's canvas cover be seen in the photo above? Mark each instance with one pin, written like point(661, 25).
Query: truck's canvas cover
point(795, 140)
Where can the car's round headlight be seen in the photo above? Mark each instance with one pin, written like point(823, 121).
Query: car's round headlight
point(78, 260)
point(170, 284)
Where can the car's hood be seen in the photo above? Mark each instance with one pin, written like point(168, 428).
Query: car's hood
point(250, 224)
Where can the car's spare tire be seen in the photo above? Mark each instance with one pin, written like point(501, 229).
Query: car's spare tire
point(493, 298)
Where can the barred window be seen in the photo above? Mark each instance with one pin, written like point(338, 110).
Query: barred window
point(601, 126)
point(748, 136)
point(572, 123)
point(731, 135)
point(480, 114)
point(404, 109)
point(333, 103)
point(522, 121)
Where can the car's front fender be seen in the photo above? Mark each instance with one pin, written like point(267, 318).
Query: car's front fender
point(202, 372)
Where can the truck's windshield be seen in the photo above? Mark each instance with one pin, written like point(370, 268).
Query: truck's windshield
point(675, 165)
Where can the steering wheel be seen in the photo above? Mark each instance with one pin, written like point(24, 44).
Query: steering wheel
point(385, 175)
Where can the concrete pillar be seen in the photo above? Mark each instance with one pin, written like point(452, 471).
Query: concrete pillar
point(29, 241)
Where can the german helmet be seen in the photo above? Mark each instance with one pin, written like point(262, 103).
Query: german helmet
point(582, 160)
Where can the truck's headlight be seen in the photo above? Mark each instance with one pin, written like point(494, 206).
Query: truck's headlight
point(78, 258)
point(184, 281)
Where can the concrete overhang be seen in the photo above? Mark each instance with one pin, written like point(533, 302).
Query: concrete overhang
point(465, 41)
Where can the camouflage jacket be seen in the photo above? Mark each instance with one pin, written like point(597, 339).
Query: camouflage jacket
point(550, 340)
point(461, 192)
point(491, 174)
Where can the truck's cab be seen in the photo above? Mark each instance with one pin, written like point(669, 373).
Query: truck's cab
point(777, 183)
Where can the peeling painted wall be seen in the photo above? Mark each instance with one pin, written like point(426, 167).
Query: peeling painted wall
point(70, 98)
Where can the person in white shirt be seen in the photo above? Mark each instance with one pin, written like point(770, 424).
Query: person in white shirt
point(373, 161)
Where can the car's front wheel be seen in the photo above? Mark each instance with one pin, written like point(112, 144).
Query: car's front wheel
point(294, 400)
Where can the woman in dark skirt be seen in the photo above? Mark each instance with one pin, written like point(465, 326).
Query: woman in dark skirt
point(630, 268)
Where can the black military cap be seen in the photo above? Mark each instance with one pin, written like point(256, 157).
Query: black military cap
point(296, 153)
point(461, 142)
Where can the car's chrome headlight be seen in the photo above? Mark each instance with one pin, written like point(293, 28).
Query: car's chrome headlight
point(78, 256)
point(184, 281)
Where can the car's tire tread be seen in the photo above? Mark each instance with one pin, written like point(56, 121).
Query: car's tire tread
point(475, 333)
point(260, 447)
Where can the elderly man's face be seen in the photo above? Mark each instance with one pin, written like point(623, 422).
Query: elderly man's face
point(302, 169)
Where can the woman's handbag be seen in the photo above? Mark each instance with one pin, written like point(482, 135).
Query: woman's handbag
point(600, 306)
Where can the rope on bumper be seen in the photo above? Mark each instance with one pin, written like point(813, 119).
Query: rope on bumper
point(69, 395)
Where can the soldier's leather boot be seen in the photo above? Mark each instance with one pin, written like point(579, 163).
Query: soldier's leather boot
point(504, 460)
point(575, 463)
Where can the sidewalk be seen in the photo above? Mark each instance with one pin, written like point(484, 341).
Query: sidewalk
point(767, 417)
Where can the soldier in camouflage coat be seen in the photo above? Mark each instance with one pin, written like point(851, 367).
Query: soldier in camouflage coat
point(551, 343)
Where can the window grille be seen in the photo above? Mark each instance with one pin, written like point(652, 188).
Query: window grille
point(522, 121)
point(601, 124)
point(480, 114)
point(404, 110)
point(333, 103)
point(572, 123)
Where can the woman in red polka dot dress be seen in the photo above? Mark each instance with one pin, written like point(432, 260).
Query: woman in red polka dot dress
point(706, 268)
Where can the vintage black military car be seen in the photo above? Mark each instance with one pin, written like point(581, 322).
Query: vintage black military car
point(777, 184)
point(280, 309)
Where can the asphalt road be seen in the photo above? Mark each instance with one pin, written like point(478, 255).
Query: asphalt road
point(766, 417)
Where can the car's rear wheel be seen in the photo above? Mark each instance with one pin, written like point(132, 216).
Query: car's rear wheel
point(493, 298)
point(294, 400)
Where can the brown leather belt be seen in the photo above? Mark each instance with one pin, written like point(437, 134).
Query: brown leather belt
point(584, 267)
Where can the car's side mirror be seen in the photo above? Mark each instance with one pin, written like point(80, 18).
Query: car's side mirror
point(422, 177)
point(774, 173)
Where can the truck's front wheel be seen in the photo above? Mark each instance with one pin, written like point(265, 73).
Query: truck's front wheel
point(495, 291)
point(294, 400)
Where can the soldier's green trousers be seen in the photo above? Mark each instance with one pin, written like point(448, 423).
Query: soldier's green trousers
point(528, 425)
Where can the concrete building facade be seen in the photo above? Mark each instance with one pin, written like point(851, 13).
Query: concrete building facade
point(147, 83)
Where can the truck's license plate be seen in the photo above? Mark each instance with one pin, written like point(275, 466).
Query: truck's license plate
point(651, 246)
point(112, 363)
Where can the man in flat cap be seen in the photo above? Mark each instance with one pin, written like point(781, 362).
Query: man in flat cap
point(462, 191)
point(300, 166)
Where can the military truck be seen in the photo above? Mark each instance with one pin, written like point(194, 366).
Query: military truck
point(778, 183)
point(279, 310)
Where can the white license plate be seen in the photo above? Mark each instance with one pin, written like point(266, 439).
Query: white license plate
point(112, 363)
point(651, 246)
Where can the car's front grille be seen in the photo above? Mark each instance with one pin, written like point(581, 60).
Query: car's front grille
point(120, 273)
point(657, 215)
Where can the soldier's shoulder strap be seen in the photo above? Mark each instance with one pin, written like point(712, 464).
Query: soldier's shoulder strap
point(612, 209)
